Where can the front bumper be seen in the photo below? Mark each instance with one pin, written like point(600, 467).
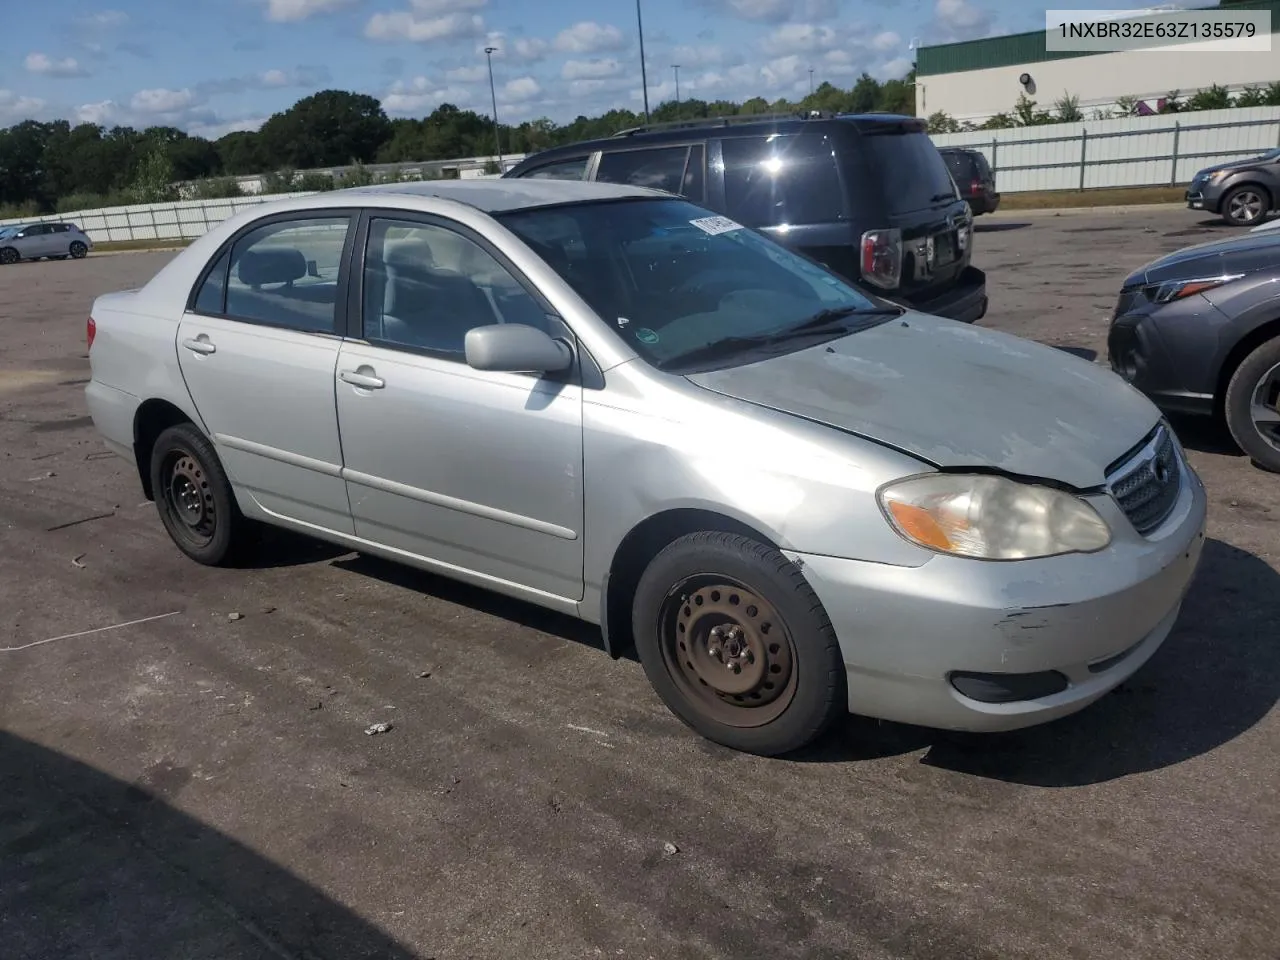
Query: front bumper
point(1094, 619)
point(964, 300)
point(1137, 353)
point(1204, 198)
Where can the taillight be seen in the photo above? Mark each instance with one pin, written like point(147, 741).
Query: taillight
point(975, 186)
point(90, 331)
point(882, 257)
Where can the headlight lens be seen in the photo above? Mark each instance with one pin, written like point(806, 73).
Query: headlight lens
point(1177, 289)
point(991, 518)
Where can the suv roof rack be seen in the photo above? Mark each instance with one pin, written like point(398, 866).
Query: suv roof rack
point(725, 121)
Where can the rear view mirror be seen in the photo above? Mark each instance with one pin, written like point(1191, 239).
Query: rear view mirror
point(516, 348)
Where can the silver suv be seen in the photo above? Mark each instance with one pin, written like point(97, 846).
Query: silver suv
point(32, 241)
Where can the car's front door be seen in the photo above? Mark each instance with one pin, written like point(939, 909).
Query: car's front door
point(34, 241)
point(258, 347)
point(476, 471)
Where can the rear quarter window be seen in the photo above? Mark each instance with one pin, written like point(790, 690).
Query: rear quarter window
point(910, 170)
point(782, 179)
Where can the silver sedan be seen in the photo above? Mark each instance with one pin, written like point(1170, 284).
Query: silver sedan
point(791, 498)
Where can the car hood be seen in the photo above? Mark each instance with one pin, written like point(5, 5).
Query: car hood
point(1233, 165)
point(954, 395)
point(1238, 254)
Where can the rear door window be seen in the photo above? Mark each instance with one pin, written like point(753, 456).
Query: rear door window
point(912, 174)
point(782, 179)
point(676, 170)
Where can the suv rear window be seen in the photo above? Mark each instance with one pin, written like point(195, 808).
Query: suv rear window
point(912, 173)
point(776, 180)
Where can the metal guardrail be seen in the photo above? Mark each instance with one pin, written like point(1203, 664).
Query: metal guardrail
point(1084, 138)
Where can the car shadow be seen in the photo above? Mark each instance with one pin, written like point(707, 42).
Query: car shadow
point(478, 599)
point(1216, 676)
point(999, 226)
point(1084, 353)
point(1204, 434)
point(93, 866)
point(277, 547)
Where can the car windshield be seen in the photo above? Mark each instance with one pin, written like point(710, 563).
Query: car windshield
point(672, 279)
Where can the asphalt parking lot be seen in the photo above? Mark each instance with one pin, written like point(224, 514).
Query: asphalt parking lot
point(198, 786)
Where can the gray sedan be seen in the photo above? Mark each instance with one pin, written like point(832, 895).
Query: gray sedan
point(37, 241)
point(791, 498)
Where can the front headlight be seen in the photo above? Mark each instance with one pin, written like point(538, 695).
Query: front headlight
point(1171, 290)
point(1217, 175)
point(991, 518)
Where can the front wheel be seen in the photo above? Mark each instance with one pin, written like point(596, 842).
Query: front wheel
point(9, 255)
point(737, 644)
point(1245, 206)
point(1252, 405)
point(194, 497)
point(79, 251)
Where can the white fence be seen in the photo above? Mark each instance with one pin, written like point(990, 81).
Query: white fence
point(1163, 150)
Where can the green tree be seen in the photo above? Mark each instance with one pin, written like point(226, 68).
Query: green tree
point(1025, 113)
point(328, 128)
point(1215, 97)
point(1067, 109)
point(154, 181)
point(941, 122)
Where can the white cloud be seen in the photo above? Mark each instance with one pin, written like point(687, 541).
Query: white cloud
point(588, 36)
point(590, 69)
point(437, 7)
point(894, 69)
point(275, 78)
point(291, 11)
point(46, 66)
point(420, 95)
point(520, 49)
point(467, 74)
point(104, 19)
point(888, 40)
point(520, 90)
point(160, 100)
point(703, 54)
point(959, 20)
point(103, 113)
point(14, 108)
point(408, 25)
point(799, 38)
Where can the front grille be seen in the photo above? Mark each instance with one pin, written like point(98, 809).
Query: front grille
point(1146, 485)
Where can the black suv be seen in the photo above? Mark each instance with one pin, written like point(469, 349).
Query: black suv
point(867, 195)
point(973, 175)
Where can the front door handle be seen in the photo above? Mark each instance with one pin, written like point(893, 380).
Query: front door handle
point(199, 345)
point(358, 378)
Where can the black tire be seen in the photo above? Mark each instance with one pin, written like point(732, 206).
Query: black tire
point(771, 612)
point(78, 250)
point(194, 498)
point(9, 255)
point(1246, 205)
point(1255, 387)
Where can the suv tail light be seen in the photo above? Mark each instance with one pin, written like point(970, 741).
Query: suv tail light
point(975, 186)
point(882, 257)
point(90, 331)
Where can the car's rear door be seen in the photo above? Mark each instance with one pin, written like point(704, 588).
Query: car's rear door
point(258, 347)
point(478, 471)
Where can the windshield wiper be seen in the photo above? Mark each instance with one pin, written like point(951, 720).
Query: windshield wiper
point(832, 314)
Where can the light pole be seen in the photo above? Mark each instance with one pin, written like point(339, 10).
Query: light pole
point(811, 81)
point(676, 68)
point(493, 94)
point(644, 80)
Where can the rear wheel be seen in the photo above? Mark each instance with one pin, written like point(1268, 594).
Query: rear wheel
point(9, 255)
point(78, 250)
point(1252, 405)
point(737, 644)
point(1246, 205)
point(194, 497)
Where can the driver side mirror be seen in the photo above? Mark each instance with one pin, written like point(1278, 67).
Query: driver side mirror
point(516, 348)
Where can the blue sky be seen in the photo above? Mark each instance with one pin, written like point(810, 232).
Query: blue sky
point(210, 66)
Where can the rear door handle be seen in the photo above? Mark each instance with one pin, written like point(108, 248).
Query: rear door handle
point(199, 345)
point(366, 380)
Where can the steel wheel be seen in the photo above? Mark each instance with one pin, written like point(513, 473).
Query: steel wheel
point(1245, 205)
point(79, 250)
point(188, 498)
point(8, 255)
point(728, 651)
point(1264, 408)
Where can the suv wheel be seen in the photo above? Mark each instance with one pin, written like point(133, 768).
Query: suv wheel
point(737, 644)
point(1252, 405)
point(1246, 205)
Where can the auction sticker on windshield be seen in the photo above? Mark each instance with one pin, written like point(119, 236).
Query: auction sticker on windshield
point(715, 225)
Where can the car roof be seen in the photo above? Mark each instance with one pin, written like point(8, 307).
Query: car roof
point(738, 126)
point(497, 195)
